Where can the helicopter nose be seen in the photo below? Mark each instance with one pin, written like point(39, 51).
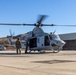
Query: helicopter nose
point(57, 43)
point(61, 42)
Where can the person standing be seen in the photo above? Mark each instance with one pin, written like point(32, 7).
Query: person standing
point(18, 46)
point(27, 45)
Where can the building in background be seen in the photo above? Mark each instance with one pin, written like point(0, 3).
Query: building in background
point(70, 39)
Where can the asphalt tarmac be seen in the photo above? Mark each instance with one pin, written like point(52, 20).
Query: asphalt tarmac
point(34, 63)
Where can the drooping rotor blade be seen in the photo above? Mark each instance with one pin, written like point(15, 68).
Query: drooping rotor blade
point(41, 18)
point(17, 24)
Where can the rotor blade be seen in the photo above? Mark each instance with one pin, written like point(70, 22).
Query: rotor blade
point(41, 18)
point(58, 25)
point(48, 25)
point(17, 24)
point(35, 25)
point(68, 25)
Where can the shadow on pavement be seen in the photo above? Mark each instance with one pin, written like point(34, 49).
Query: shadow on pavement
point(54, 61)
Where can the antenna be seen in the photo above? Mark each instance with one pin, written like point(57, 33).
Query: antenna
point(54, 31)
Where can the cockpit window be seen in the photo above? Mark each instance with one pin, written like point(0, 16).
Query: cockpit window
point(53, 36)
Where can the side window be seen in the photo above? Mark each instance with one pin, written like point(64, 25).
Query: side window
point(47, 42)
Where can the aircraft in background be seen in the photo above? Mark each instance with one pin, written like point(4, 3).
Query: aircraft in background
point(12, 41)
point(2, 47)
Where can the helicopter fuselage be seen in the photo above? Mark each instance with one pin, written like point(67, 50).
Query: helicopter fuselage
point(45, 43)
point(39, 40)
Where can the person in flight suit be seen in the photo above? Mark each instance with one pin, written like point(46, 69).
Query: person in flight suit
point(18, 46)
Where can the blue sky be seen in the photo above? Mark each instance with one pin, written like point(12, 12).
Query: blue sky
point(60, 12)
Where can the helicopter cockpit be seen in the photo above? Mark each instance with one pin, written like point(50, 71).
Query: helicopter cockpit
point(56, 41)
point(54, 36)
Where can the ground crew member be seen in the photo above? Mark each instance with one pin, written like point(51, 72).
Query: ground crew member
point(18, 46)
point(27, 45)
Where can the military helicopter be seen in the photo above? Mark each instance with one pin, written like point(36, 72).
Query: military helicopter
point(38, 39)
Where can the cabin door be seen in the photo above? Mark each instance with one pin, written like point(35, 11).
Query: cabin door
point(40, 42)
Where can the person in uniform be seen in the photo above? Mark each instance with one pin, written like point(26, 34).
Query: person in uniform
point(18, 46)
point(27, 45)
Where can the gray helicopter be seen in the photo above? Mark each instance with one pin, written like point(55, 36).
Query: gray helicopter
point(38, 39)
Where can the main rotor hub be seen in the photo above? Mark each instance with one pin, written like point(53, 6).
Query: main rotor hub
point(38, 24)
